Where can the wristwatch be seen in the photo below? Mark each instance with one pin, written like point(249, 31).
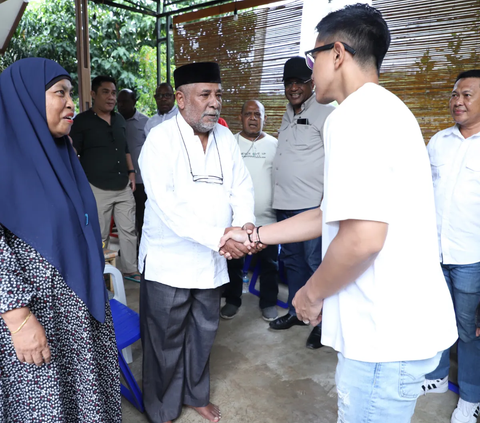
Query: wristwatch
point(132, 171)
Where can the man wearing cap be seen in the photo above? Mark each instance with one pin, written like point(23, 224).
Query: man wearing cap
point(197, 187)
point(298, 180)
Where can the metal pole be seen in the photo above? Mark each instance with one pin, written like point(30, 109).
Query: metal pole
point(160, 8)
point(194, 7)
point(143, 11)
point(168, 49)
point(83, 54)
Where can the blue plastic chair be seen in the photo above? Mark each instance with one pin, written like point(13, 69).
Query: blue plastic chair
point(127, 331)
point(256, 273)
point(453, 387)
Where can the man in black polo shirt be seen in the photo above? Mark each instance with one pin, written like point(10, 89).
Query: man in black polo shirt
point(99, 138)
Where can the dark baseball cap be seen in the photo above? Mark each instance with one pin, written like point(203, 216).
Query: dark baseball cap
point(296, 67)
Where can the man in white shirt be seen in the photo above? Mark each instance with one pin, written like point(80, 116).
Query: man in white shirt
point(134, 131)
point(377, 220)
point(455, 158)
point(166, 108)
point(258, 150)
point(196, 184)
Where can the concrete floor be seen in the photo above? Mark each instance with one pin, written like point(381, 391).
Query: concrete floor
point(264, 376)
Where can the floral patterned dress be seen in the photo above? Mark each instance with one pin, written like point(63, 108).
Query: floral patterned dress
point(82, 381)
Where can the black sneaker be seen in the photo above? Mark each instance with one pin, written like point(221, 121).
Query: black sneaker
point(228, 311)
point(286, 322)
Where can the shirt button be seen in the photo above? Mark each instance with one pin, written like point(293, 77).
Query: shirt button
point(116, 149)
point(118, 162)
point(119, 173)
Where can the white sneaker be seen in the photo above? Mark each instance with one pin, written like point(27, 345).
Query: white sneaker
point(466, 412)
point(437, 386)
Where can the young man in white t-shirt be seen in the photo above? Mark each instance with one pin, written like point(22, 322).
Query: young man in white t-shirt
point(258, 151)
point(377, 220)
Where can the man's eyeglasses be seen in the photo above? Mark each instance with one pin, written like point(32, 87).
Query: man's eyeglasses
point(289, 84)
point(310, 60)
point(168, 96)
point(208, 179)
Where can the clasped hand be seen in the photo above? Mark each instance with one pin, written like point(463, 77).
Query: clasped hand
point(235, 243)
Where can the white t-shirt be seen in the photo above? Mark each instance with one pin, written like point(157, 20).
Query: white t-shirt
point(258, 157)
point(377, 169)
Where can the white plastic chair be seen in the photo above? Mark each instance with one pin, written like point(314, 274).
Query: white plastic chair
point(119, 295)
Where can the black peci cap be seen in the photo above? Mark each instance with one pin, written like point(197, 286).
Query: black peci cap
point(197, 72)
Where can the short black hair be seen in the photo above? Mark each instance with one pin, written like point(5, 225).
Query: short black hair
point(474, 73)
point(165, 84)
point(98, 80)
point(130, 92)
point(360, 26)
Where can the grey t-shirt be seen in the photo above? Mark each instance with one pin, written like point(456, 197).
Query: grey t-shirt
point(299, 162)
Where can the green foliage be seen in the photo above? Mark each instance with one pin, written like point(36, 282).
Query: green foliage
point(122, 44)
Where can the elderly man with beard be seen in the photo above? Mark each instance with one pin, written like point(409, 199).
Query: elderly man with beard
point(197, 187)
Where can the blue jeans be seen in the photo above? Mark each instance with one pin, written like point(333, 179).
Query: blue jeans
point(300, 259)
point(379, 392)
point(463, 281)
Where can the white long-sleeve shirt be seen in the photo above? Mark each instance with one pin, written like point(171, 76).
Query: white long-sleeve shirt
point(158, 118)
point(184, 220)
point(456, 181)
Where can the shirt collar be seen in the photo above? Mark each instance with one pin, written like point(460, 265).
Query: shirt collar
point(188, 135)
point(455, 132)
point(305, 105)
point(113, 113)
point(136, 115)
point(172, 110)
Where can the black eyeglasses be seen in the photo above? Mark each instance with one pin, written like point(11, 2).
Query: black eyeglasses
point(310, 60)
point(168, 95)
point(289, 85)
point(208, 179)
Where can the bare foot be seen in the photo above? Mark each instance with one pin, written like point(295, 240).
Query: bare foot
point(210, 412)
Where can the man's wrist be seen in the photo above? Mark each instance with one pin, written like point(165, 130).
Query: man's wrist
point(129, 171)
point(313, 293)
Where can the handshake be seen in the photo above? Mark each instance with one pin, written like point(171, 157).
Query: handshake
point(237, 242)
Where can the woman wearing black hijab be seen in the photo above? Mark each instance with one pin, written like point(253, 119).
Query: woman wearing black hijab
point(58, 357)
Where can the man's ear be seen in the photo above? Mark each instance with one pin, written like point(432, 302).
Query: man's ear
point(180, 97)
point(93, 94)
point(339, 54)
point(264, 119)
